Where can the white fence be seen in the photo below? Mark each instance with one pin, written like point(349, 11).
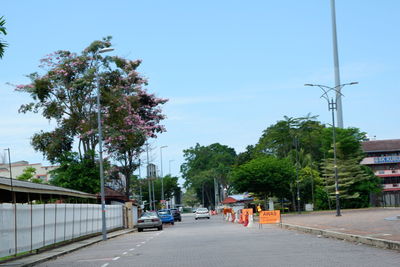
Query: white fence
point(46, 224)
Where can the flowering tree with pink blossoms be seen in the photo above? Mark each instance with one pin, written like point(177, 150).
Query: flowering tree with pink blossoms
point(66, 93)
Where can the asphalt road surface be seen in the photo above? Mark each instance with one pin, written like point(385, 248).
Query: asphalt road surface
point(215, 242)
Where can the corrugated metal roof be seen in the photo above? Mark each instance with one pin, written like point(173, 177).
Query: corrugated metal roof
point(381, 145)
point(28, 187)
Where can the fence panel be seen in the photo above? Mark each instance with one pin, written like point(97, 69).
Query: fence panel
point(23, 227)
point(46, 224)
point(7, 245)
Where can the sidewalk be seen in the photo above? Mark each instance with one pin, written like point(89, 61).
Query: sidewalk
point(375, 226)
point(56, 252)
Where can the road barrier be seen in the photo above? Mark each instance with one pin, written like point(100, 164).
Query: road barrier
point(27, 227)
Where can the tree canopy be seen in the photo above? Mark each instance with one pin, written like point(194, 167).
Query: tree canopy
point(66, 92)
point(3, 31)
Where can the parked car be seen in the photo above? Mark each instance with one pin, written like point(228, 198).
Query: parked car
point(177, 215)
point(166, 216)
point(149, 219)
point(202, 213)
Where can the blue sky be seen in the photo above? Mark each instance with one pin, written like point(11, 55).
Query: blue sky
point(229, 68)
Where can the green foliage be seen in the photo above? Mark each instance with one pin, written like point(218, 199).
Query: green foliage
point(265, 176)
point(279, 139)
point(27, 174)
point(3, 31)
point(77, 174)
point(356, 182)
point(190, 198)
point(171, 188)
point(67, 94)
point(203, 164)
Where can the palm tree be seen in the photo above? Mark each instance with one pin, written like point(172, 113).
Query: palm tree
point(3, 44)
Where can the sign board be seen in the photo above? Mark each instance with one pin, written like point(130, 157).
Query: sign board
point(151, 171)
point(247, 212)
point(270, 216)
point(387, 159)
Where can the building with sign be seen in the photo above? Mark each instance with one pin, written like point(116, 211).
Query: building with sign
point(383, 157)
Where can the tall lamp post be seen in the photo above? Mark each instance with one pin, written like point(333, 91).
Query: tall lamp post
point(339, 110)
point(103, 202)
point(11, 181)
point(332, 106)
point(162, 175)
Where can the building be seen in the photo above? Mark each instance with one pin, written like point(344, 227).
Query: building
point(17, 168)
point(383, 157)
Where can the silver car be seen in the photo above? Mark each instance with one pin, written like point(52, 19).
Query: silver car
point(202, 213)
point(149, 219)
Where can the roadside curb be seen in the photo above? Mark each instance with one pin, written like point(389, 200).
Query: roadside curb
point(377, 242)
point(34, 259)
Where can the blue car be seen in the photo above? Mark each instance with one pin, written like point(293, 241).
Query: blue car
point(166, 216)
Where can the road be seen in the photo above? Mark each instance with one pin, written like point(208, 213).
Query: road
point(215, 242)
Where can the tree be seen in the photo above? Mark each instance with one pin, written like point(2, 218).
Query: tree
point(67, 93)
point(3, 31)
point(27, 174)
point(280, 139)
point(265, 176)
point(190, 198)
point(203, 164)
point(77, 174)
point(171, 188)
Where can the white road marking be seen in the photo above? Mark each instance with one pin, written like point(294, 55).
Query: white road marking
point(132, 249)
point(116, 258)
point(144, 242)
point(105, 264)
point(138, 245)
point(124, 253)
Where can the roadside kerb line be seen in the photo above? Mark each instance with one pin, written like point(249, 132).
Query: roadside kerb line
point(377, 242)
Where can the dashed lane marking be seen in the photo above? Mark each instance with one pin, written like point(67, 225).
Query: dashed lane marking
point(138, 245)
point(105, 264)
point(125, 253)
point(132, 249)
point(116, 258)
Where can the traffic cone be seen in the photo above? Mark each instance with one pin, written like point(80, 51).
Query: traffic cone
point(237, 217)
point(241, 218)
point(250, 224)
point(246, 220)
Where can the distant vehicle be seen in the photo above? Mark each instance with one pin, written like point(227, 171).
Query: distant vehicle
point(149, 219)
point(202, 213)
point(177, 215)
point(166, 216)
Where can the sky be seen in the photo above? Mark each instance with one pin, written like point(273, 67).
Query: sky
point(230, 68)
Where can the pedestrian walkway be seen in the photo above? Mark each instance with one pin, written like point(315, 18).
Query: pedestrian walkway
point(56, 252)
point(382, 224)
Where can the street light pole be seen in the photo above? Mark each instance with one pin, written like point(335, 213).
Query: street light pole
point(332, 106)
point(103, 202)
point(162, 175)
point(11, 181)
point(339, 112)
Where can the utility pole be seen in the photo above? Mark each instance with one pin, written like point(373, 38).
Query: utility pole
point(148, 177)
point(339, 112)
point(332, 106)
point(162, 174)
